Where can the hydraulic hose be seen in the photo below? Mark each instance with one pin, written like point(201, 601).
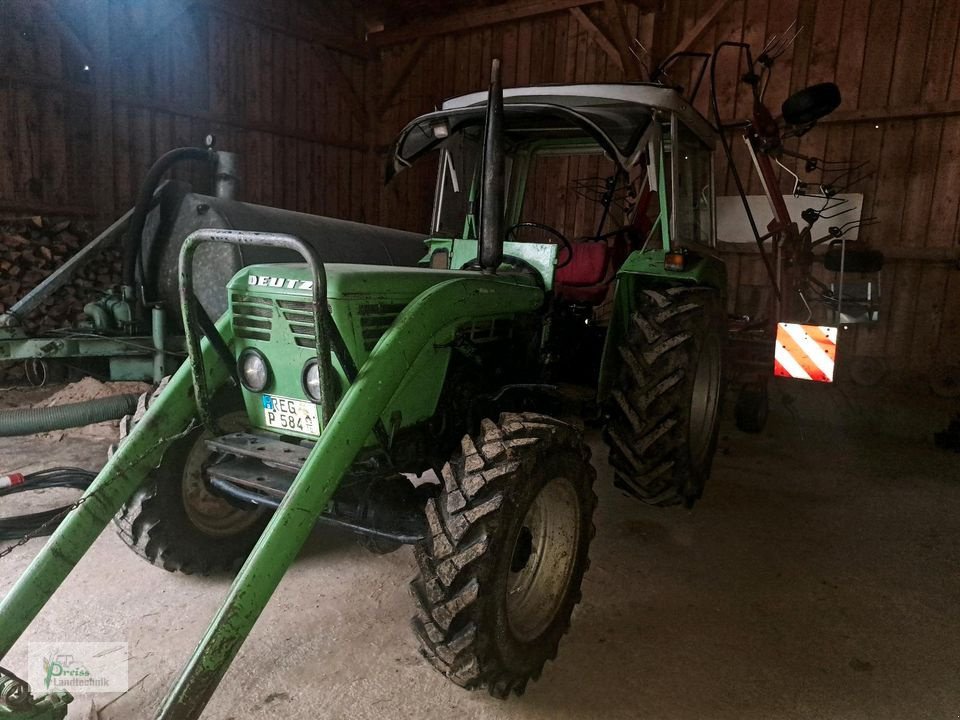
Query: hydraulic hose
point(132, 240)
point(43, 522)
point(27, 421)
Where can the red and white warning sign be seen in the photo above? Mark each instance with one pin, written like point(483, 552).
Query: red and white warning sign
point(805, 352)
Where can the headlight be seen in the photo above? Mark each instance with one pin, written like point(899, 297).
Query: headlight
point(311, 381)
point(254, 372)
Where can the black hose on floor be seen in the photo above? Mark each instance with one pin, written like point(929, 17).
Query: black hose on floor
point(15, 527)
point(28, 421)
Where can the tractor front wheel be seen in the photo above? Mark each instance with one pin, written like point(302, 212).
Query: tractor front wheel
point(173, 520)
point(501, 572)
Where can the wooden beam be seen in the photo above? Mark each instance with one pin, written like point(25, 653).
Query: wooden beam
point(344, 82)
point(65, 31)
point(406, 65)
point(41, 208)
point(42, 82)
point(146, 38)
point(945, 108)
point(236, 121)
point(598, 36)
point(618, 24)
point(482, 17)
point(338, 42)
point(312, 33)
point(696, 32)
point(323, 15)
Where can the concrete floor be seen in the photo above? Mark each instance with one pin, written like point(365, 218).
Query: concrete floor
point(817, 579)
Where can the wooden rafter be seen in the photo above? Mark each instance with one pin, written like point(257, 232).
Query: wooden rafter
point(482, 17)
point(618, 24)
point(343, 82)
point(235, 10)
point(598, 36)
point(65, 31)
point(146, 38)
point(311, 33)
point(696, 32)
point(405, 67)
point(945, 108)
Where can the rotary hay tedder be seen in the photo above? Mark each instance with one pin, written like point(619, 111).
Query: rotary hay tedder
point(324, 385)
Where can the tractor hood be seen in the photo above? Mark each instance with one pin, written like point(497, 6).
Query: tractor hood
point(294, 281)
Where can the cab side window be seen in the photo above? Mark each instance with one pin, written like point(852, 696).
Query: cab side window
point(694, 188)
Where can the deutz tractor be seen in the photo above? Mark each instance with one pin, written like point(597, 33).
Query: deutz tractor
point(441, 405)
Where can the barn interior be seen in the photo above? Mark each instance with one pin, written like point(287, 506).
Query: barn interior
point(790, 555)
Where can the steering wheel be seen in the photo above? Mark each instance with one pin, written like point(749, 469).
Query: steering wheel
point(512, 230)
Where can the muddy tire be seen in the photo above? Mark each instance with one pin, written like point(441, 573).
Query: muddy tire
point(172, 520)
point(501, 573)
point(664, 413)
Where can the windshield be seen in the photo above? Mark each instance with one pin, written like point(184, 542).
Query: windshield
point(455, 205)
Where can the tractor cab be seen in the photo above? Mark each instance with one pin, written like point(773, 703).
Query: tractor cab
point(595, 172)
point(608, 179)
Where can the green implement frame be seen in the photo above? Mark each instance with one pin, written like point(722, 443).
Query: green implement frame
point(432, 317)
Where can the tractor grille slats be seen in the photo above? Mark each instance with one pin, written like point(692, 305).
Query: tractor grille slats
point(252, 317)
point(299, 315)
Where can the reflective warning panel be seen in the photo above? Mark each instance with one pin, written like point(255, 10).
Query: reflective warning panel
point(805, 352)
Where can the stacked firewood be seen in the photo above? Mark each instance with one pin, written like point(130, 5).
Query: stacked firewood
point(32, 248)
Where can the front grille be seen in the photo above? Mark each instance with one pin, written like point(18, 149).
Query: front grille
point(299, 315)
point(374, 321)
point(252, 317)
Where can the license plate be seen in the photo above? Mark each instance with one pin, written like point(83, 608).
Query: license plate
point(290, 414)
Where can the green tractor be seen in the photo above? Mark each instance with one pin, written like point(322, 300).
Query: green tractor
point(439, 406)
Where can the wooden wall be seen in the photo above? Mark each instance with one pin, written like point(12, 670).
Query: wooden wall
point(312, 118)
point(897, 63)
point(161, 75)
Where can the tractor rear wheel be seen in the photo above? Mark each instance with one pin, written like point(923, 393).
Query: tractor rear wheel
point(664, 414)
point(173, 520)
point(501, 572)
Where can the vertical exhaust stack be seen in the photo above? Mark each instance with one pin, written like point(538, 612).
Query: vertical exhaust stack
point(492, 192)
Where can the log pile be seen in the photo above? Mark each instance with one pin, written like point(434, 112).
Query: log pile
point(32, 248)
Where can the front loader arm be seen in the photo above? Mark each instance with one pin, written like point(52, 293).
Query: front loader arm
point(432, 318)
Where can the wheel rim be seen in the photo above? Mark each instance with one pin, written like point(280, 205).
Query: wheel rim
point(210, 514)
point(705, 400)
point(542, 559)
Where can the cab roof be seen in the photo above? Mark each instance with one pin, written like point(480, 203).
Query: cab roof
point(626, 98)
point(614, 115)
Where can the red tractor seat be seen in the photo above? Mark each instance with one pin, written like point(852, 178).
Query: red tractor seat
point(584, 278)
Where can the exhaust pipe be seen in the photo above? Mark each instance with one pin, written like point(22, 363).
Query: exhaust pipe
point(492, 192)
